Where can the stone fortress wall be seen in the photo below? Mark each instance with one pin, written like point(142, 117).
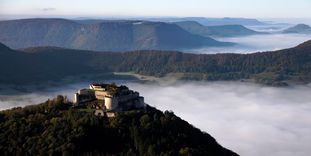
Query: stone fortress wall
point(115, 97)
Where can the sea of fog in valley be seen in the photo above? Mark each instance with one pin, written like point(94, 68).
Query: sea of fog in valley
point(256, 43)
point(247, 118)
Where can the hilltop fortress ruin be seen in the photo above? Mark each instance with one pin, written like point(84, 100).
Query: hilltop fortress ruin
point(109, 98)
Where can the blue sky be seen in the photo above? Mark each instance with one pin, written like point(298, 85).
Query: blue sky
point(114, 8)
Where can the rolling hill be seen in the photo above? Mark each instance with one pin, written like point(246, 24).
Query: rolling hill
point(103, 36)
point(217, 31)
point(299, 29)
point(43, 64)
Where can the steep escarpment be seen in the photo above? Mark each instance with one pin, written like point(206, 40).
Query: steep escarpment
point(102, 36)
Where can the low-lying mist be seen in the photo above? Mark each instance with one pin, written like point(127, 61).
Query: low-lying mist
point(256, 43)
point(247, 118)
point(29, 95)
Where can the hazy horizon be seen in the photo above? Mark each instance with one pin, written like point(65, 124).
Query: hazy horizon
point(206, 8)
point(272, 20)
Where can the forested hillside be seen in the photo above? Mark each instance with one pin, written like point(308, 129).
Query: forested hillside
point(47, 63)
point(55, 128)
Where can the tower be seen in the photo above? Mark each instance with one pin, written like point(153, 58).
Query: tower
point(76, 98)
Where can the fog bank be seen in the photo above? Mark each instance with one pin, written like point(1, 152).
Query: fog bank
point(256, 43)
point(27, 96)
point(248, 119)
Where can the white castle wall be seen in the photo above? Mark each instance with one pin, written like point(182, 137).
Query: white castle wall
point(111, 103)
point(100, 95)
point(76, 98)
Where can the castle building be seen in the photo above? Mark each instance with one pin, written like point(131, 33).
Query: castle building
point(84, 95)
point(113, 97)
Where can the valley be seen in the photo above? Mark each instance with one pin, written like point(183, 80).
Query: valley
point(155, 78)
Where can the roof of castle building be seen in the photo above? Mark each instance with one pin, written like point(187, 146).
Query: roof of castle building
point(112, 88)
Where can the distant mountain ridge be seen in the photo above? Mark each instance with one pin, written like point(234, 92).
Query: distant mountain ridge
point(38, 65)
point(217, 31)
point(299, 28)
point(210, 21)
point(226, 21)
point(202, 20)
point(103, 36)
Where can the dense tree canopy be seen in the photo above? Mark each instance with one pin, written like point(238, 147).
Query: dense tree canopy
point(46, 63)
point(55, 128)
